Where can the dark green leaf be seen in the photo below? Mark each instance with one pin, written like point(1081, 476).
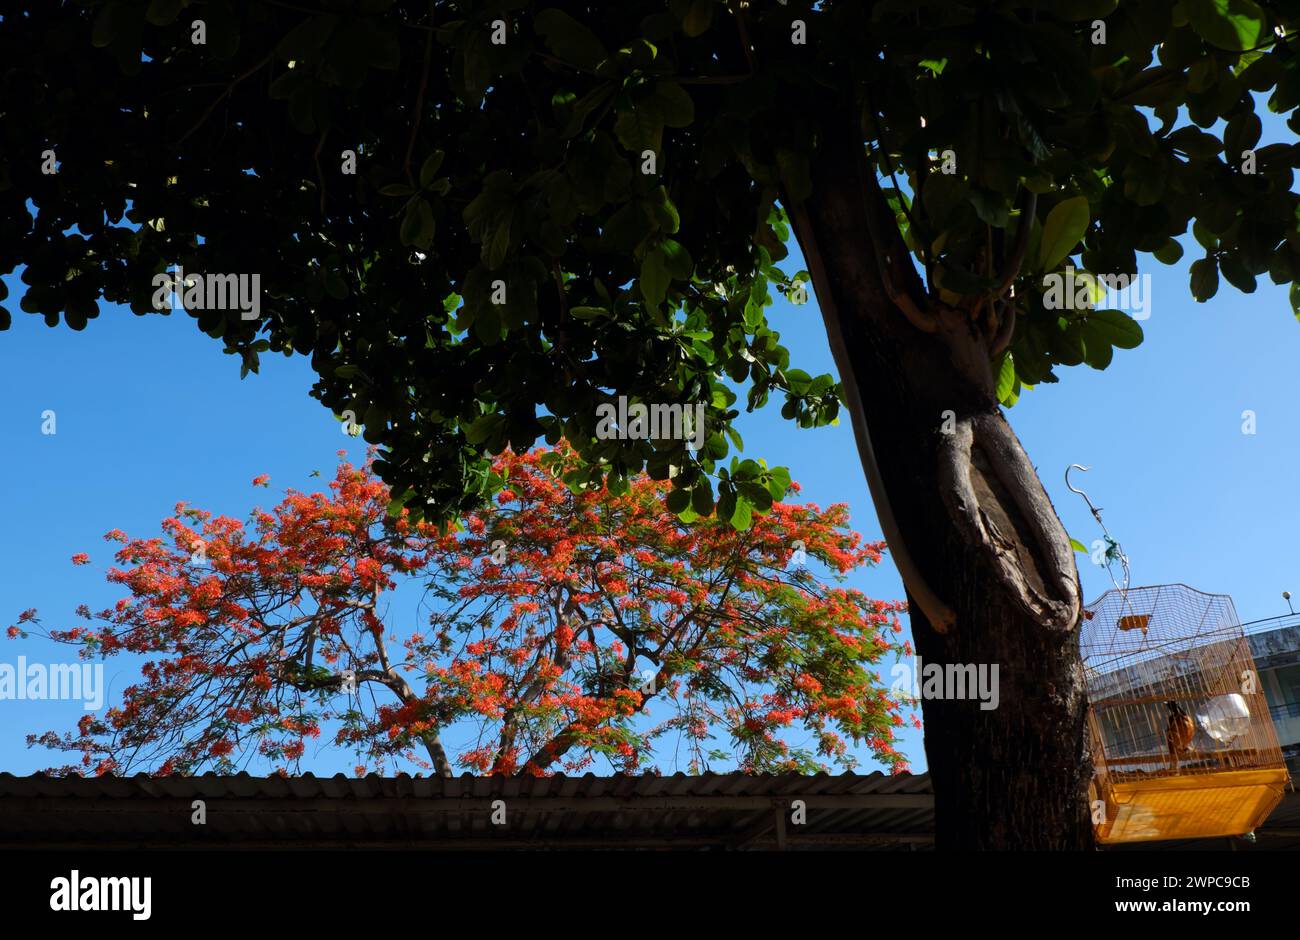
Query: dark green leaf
point(569, 40)
point(1062, 231)
point(1205, 279)
point(429, 169)
point(1229, 24)
point(1113, 326)
point(698, 18)
point(654, 278)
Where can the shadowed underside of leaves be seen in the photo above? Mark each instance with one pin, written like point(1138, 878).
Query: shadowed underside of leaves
point(556, 206)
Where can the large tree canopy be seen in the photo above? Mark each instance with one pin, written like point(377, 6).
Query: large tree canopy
point(486, 220)
point(618, 168)
point(562, 629)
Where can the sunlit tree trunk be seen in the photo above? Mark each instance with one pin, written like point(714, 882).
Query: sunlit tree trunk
point(989, 571)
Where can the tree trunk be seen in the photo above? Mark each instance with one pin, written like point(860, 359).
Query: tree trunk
point(989, 572)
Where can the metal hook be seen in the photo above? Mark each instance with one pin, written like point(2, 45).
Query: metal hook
point(1075, 466)
point(1096, 513)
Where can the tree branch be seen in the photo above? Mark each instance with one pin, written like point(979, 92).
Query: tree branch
point(223, 96)
point(884, 249)
point(419, 98)
point(1015, 260)
point(939, 614)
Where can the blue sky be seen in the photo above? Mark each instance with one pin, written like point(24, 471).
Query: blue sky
point(150, 412)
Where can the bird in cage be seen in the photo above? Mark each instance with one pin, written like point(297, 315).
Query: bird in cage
point(1179, 733)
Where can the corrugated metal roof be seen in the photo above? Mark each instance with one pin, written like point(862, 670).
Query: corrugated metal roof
point(707, 811)
point(650, 811)
point(467, 785)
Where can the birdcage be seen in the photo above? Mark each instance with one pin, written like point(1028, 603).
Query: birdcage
point(1182, 742)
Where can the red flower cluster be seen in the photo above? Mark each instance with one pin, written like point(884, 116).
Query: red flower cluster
point(568, 627)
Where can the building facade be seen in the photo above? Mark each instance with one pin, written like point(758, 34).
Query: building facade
point(1275, 645)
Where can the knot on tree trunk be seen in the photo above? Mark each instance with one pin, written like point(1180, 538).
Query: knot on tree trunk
point(996, 501)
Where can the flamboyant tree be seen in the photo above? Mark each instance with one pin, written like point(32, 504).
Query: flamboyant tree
point(483, 219)
point(564, 627)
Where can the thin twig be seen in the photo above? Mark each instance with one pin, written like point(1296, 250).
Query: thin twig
point(419, 98)
point(745, 43)
point(221, 97)
point(559, 287)
point(1005, 327)
point(1016, 259)
point(746, 47)
point(320, 177)
point(714, 79)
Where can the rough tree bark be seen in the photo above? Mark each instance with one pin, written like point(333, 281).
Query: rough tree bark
point(989, 572)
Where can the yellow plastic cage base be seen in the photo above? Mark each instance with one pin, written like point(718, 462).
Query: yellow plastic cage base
point(1194, 806)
